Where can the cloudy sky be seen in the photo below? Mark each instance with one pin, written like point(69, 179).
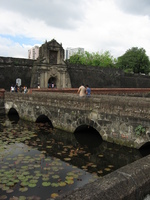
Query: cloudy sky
point(95, 25)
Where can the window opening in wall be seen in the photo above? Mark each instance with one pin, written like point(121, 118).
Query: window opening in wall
point(53, 57)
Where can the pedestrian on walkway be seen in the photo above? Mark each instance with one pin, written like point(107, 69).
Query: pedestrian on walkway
point(88, 91)
point(81, 91)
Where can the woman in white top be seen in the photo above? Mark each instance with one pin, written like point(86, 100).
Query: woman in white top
point(82, 91)
point(12, 89)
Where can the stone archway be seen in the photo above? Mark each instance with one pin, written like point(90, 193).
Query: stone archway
point(50, 63)
point(52, 82)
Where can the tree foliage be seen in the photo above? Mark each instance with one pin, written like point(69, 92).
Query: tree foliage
point(134, 60)
point(93, 59)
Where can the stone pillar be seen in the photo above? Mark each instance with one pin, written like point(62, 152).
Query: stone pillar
point(58, 80)
point(45, 80)
point(67, 80)
point(42, 78)
point(63, 79)
point(2, 107)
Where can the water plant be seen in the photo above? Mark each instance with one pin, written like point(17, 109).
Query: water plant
point(44, 165)
point(140, 130)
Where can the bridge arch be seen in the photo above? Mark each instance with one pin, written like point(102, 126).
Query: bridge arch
point(11, 107)
point(13, 115)
point(13, 111)
point(145, 146)
point(90, 123)
point(87, 135)
point(145, 149)
point(41, 113)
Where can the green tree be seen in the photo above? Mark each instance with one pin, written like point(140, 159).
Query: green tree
point(75, 59)
point(134, 60)
point(93, 59)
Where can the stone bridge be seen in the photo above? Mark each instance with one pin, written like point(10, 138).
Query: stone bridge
point(118, 119)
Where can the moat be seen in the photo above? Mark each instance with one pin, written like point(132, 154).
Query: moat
point(38, 162)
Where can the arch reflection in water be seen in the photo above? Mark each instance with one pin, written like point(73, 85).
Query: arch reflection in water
point(87, 135)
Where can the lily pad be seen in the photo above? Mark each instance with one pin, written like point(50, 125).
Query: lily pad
point(69, 178)
point(2, 197)
point(55, 176)
point(69, 182)
point(54, 195)
point(110, 166)
point(9, 191)
point(45, 178)
point(24, 184)
point(10, 184)
point(54, 184)
point(5, 188)
point(32, 185)
point(100, 172)
point(100, 155)
point(107, 169)
point(23, 189)
point(67, 159)
point(22, 198)
point(62, 184)
point(49, 147)
point(46, 184)
point(33, 181)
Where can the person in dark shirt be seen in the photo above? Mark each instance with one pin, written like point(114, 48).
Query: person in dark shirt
point(88, 91)
point(16, 87)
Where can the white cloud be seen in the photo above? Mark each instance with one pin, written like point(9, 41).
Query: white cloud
point(56, 13)
point(96, 25)
point(135, 7)
point(10, 49)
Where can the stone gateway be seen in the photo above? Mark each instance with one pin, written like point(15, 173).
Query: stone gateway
point(50, 69)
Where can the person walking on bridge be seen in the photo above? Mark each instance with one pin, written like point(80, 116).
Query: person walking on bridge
point(81, 91)
point(88, 91)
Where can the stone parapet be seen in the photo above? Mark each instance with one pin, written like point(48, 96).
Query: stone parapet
point(100, 91)
point(2, 107)
point(131, 182)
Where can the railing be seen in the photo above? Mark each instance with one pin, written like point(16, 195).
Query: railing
point(2, 91)
point(97, 91)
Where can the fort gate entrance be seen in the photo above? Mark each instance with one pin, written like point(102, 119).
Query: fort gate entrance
point(50, 67)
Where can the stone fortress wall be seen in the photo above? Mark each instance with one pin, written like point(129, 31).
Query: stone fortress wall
point(100, 77)
point(13, 68)
point(95, 77)
point(51, 67)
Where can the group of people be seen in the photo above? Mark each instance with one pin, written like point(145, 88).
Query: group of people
point(16, 88)
point(84, 91)
point(51, 85)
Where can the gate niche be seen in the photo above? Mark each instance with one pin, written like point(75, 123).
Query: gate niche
point(50, 67)
point(52, 82)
